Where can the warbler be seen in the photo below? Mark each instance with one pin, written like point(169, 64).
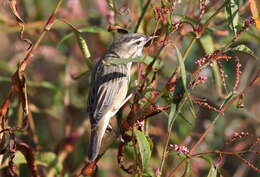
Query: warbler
point(109, 85)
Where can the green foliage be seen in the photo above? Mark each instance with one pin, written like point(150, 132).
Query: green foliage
point(50, 160)
point(232, 9)
point(213, 170)
point(172, 116)
point(222, 35)
point(245, 49)
point(82, 44)
point(90, 29)
point(187, 171)
point(144, 148)
point(19, 158)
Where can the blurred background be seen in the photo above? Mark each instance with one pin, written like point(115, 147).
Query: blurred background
point(58, 81)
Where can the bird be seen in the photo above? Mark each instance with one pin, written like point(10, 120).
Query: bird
point(109, 86)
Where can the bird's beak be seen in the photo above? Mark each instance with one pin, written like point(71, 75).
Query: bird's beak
point(149, 39)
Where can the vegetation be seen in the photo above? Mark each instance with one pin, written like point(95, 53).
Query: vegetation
point(195, 110)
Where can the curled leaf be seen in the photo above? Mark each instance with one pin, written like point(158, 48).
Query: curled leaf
point(82, 44)
point(28, 153)
point(243, 48)
point(232, 9)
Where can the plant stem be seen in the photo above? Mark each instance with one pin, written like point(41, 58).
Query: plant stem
point(142, 15)
point(215, 14)
point(186, 52)
point(176, 168)
point(47, 27)
point(224, 107)
point(192, 42)
point(165, 151)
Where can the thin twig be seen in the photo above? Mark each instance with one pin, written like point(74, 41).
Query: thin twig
point(47, 27)
point(224, 107)
point(192, 42)
point(177, 72)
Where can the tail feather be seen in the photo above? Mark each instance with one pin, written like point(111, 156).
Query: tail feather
point(94, 146)
point(97, 133)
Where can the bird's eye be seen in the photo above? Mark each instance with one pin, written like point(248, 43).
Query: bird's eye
point(138, 42)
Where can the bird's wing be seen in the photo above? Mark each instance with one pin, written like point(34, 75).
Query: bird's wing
point(109, 88)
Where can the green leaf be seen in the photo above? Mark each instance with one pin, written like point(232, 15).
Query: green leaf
point(172, 116)
point(216, 75)
point(144, 148)
point(19, 158)
point(158, 64)
point(212, 171)
point(207, 158)
point(232, 13)
point(179, 92)
point(207, 43)
point(130, 152)
point(180, 114)
point(146, 175)
point(245, 49)
point(229, 97)
point(182, 67)
point(50, 160)
point(188, 171)
point(82, 44)
point(90, 29)
point(184, 79)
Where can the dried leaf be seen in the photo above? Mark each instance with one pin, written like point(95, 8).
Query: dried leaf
point(19, 83)
point(255, 10)
point(12, 4)
point(28, 153)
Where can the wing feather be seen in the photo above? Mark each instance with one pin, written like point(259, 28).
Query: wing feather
point(106, 84)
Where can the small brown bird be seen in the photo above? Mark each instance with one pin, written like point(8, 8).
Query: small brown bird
point(109, 86)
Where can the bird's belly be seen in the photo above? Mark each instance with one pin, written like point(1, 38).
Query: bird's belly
point(122, 92)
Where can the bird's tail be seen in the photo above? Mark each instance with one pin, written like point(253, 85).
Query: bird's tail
point(97, 133)
point(94, 146)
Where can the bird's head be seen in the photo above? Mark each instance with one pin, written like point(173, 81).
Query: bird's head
point(130, 45)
